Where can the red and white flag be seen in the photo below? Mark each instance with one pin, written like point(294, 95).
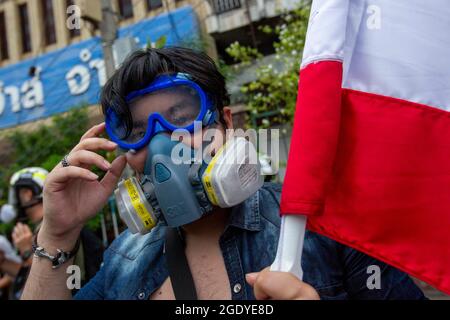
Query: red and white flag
point(369, 162)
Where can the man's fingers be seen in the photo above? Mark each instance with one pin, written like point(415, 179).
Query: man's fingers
point(26, 229)
point(18, 229)
point(259, 287)
point(95, 144)
point(88, 158)
point(282, 286)
point(111, 178)
point(269, 285)
point(251, 278)
point(62, 175)
point(94, 131)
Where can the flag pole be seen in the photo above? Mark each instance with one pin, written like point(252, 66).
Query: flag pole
point(290, 245)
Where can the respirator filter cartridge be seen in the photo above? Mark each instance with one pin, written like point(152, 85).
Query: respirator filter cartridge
point(234, 173)
point(133, 207)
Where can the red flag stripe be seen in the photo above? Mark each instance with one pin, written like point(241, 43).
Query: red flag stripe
point(314, 138)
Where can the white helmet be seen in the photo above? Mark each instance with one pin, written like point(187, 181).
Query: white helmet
point(32, 178)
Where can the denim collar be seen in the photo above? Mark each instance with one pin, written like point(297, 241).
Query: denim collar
point(246, 215)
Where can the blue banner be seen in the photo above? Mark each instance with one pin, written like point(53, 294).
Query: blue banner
point(72, 76)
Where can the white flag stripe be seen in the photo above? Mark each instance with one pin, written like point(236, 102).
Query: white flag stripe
point(325, 38)
point(403, 51)
point(396, 48)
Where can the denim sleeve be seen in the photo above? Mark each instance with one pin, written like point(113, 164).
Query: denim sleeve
point(95, 288)
point(360, 281)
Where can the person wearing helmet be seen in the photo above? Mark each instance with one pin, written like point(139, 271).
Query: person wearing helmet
point(24, 207)
point(25, 193)
point(25, 200)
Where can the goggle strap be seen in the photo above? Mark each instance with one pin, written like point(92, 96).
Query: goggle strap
point(210, 117)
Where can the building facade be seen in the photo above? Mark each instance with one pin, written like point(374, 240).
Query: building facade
point(50, 64)
point(29, 28)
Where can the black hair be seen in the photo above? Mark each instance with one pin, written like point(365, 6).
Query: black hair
point(143, 66)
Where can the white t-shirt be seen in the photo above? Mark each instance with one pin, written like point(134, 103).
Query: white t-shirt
point(9, 251)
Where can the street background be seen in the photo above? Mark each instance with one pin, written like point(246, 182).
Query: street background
point(56, 55)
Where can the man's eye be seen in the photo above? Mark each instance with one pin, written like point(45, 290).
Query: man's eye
point(134, 136)
point(182, 117)
point(179, 121)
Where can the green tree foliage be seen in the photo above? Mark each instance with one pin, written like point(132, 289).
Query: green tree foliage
point(274, 91)
point(46, 145)
point(193, 42)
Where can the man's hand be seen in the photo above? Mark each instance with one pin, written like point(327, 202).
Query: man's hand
point(274, 285)
point(22, 237)
point(73, 195)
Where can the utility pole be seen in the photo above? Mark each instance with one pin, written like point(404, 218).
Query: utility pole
point(108, 31)
point(252, 28)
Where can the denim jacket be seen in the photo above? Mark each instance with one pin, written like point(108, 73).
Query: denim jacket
point(134, 265)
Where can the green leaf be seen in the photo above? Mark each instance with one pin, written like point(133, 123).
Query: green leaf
point(272, 96)
point(161, 42)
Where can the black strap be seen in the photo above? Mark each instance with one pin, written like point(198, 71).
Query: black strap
point(179, 271)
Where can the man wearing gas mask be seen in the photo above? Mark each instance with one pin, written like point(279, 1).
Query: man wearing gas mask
point(197, 229)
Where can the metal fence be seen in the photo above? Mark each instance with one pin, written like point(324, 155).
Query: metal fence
point(221, 6)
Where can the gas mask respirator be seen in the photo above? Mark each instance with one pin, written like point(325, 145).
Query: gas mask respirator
point(177, 189)
point(179, 193)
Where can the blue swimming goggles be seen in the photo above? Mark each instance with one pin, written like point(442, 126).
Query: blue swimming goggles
point(169, 103)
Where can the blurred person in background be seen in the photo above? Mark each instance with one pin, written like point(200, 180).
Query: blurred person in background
point(25, 207)
point(10, 264)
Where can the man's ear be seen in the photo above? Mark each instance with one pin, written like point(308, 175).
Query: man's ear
point(228, 117)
